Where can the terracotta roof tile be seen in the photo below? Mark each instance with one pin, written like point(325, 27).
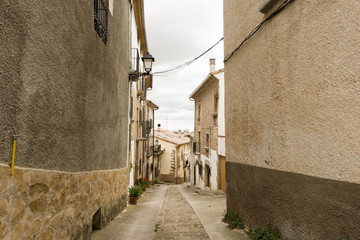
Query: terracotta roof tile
point(169, 136)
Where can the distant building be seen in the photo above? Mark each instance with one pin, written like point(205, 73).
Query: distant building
point(292, 116)
point(174, 155)
point(152, 163)
point(207, 166)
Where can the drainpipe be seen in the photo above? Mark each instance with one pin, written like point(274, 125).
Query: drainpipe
point(15, 136)
point(153, 160)
point(176, 182)
point(144, 144)
point(153, 127)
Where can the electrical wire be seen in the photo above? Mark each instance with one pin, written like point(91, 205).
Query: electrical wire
point(257, 28)
point(188, 62)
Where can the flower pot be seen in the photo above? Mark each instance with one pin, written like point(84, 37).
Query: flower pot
point(133, 200)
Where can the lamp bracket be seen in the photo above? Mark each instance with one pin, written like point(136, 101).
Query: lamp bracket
point(133, 76)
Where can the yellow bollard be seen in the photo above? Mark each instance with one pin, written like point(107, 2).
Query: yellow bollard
point(13, 157)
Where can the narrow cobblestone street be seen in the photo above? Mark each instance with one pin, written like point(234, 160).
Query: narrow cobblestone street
point(172, 212)
point(177, 220)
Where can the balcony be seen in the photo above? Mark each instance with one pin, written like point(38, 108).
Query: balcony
point(149, 151)
point(143, 131)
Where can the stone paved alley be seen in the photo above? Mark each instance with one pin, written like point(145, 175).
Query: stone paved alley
point(172, 212)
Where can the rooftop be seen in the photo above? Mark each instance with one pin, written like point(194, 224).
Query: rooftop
point(171, 137)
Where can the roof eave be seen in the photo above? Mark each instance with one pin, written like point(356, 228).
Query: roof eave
point(202, 85)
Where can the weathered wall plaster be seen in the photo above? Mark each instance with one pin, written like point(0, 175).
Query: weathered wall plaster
point(62, 89)
point(292, 105)
point(293, 90)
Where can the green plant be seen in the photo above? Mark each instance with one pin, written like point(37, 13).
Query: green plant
point(130, 167)
point(156, 227)
point(156, 180)
point(266, 233)
point(135, 191)
point(234, 220)
point(143, 183)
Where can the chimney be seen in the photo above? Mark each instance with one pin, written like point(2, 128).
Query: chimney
point(159, 125)
point(212, 65)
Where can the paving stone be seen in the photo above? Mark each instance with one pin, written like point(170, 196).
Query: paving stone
point(177, 220)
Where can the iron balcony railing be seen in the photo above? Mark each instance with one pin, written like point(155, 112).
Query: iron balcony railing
point(144, 129)
point(101, 19)
point(149, 151)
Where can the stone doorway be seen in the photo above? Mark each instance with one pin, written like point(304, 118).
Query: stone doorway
point(207, 176)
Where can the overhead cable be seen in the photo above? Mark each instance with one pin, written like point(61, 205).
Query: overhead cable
point(188, 62)
point(281, 7)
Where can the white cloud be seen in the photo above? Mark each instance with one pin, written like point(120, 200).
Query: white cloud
point(177, 31)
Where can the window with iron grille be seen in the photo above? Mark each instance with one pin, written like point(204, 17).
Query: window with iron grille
point(100, 19)
point(135, 60)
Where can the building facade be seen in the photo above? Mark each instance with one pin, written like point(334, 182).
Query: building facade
point(141, 113)
point(209, 132)
point(292, 107)
point(152, 161)
point(64, 97)
point(174, 155)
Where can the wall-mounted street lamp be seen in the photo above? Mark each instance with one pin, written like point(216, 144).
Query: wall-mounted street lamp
point(148, 60)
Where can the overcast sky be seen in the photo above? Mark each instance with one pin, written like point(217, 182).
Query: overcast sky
point(178, 31)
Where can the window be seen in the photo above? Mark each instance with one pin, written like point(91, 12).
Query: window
point(216, 97)
point(100, 19)
point(215, 120)
point(199, 112)
point(131, 107)
point(207, 143)
point(135, 60)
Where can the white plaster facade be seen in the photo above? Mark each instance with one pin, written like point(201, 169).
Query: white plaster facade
point(221, 115)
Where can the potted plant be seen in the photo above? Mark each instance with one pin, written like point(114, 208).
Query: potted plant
point(143, 183)
point(134, 193)
point(156, 180)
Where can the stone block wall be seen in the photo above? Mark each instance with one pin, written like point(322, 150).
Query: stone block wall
point(43, 204)
point(167, 177)
point(207, 123)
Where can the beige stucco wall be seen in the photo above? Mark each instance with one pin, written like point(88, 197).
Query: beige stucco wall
point(181, 160)
point(166, 156)
point(62, 89)
point(293, 90)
